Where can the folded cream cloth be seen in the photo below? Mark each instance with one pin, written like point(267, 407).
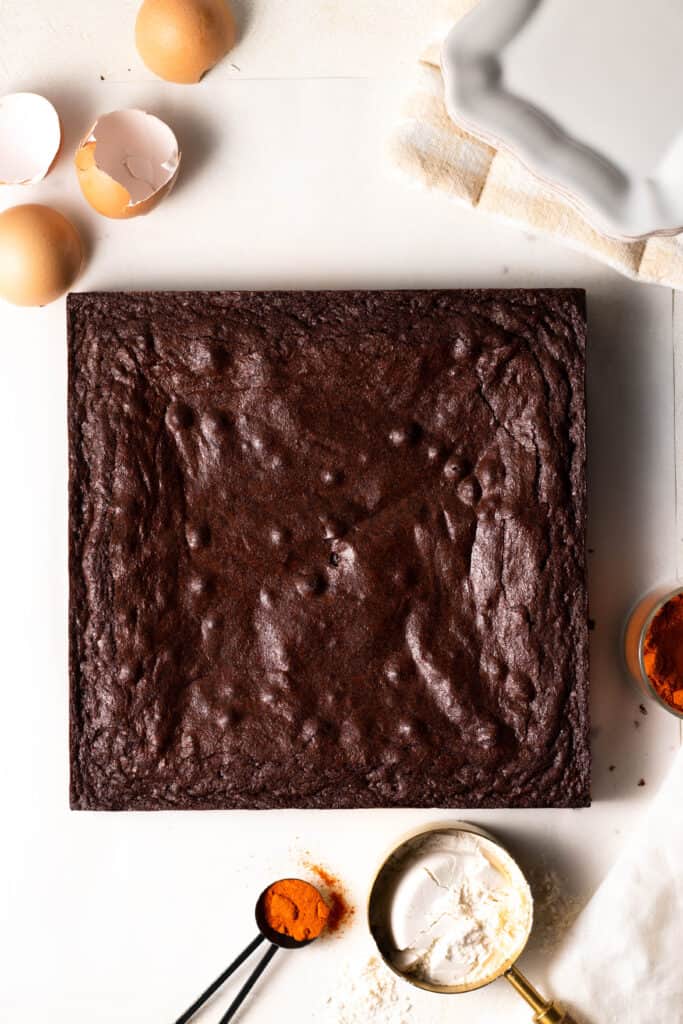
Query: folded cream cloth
point(434, 151)
point(620, 963)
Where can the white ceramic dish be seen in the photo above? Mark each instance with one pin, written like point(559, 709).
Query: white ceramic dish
point(586, 94)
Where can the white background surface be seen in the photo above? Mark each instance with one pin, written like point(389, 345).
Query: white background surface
point(125, 917)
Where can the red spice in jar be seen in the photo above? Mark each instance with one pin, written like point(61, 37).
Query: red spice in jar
point(663, 652)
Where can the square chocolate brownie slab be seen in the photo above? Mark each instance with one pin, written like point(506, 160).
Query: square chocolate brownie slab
point(327, 549)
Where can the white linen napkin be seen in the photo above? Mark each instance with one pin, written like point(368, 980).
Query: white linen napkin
point(622, 960)
point(434, 152)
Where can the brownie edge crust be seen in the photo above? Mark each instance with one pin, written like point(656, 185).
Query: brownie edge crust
point(327, 549)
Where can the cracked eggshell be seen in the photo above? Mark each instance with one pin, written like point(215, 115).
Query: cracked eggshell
point(40, 255)
point(180, 40)
point(30, 138)
point(127, 163)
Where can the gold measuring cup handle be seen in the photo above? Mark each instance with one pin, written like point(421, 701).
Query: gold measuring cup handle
point(545, 1012)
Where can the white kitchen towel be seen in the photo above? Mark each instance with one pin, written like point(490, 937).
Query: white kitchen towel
point(621, 962)
point(435, 152)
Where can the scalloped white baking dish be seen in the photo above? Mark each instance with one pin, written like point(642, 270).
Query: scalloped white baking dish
point(587, 93)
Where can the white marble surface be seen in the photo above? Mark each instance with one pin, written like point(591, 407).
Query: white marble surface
point(113, 918)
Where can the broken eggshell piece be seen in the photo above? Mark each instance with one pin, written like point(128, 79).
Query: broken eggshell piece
point(127, 163)
point(30, 138)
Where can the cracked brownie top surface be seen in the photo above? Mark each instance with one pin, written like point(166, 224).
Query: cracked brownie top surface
point(327, 549)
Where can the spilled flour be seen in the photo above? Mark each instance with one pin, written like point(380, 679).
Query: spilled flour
point(372, 995)
point(555, 910)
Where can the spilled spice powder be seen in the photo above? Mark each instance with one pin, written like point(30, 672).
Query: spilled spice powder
point(341, 910)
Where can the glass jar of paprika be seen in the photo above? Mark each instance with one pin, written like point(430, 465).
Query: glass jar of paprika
point(653, 646)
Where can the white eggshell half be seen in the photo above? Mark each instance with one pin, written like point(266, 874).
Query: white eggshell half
point(30, 138)
point(137, 150)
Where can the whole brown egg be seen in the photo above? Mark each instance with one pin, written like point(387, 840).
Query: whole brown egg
point(180, 40)
point(40, 255)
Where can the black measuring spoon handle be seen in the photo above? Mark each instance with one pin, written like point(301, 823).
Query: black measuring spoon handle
point(248, 985)
point(215, 985)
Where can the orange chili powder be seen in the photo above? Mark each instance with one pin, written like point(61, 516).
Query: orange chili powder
point(295, 908)
point(663, 652)
point(340, 908)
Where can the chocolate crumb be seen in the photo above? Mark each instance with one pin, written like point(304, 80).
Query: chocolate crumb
point(612, 767)
point(591, 624)
point(101, 78)
point(642, 709)
point(641, 782)
point(636, 724)
point(591, 551)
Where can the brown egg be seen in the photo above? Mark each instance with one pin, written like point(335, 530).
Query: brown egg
point(180, 40)
point(40, 255)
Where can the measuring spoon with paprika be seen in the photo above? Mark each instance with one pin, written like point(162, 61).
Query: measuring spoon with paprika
point(290, 914)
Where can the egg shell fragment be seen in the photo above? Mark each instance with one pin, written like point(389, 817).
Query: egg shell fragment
point(40, 255)
point(180, 40)
point(30, 138)
point(127, 163)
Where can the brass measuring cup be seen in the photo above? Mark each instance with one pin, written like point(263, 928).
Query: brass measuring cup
point(379, 905)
